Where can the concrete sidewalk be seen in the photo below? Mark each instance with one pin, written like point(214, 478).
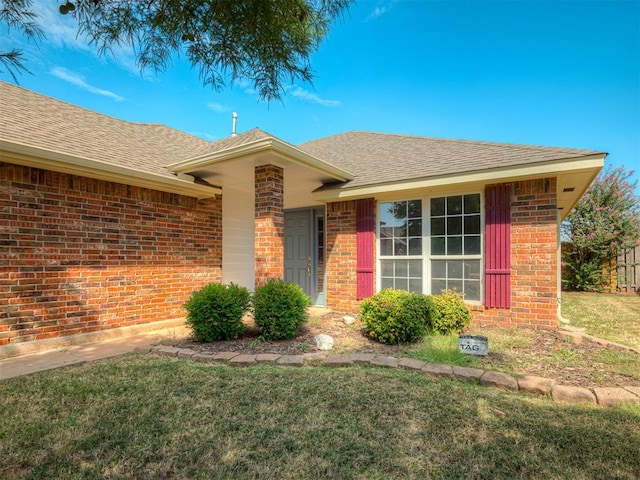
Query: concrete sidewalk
point(78, 354)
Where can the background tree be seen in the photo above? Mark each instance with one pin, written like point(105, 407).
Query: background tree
point(265, 42)
point(18, 14)
point(605, 219)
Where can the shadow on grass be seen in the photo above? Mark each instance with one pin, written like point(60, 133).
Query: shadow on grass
point(149, 417)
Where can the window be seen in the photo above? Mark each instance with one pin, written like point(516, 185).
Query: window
point(400, 227)
point(456, 245)
point(453, 244)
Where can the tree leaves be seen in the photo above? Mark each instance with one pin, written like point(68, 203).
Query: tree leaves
point(266, 42)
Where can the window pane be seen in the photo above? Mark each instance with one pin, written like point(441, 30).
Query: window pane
point(414, 208)
point(454, 205)
point(400, 230)
point(472, 290)
point(472, 225)
point(401, 275)
point(400, 247)
point(401, 283)
point(415, 286)
point(415, 268)
point(455, 285)
point(437, 246)
point(415, 228)
point(386, 247)
point(437, 226)
point(472, 245)
point(386, 232)
point(455, 234)
point(472, 269)
point(400, 210)
point(472, 203)
point(454, 245)
point(415, 246)
point(386, 282)
point(437, 207)
point(454, 270)
point(402, 270)
point(386, 268)
point(454, 226)
point(437, 286)
point(386, 215)
point(438, 269)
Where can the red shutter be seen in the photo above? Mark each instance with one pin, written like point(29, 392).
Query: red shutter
point(497, 285)
point(365, 240)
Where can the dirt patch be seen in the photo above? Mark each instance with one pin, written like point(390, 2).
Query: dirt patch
point(547, 353)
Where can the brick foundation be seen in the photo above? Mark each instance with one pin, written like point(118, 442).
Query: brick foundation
point(79, 255)
point(269, 223)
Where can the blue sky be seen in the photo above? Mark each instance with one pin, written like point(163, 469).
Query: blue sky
point(557, 73)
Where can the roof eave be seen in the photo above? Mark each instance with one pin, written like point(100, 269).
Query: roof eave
point(12, 152)
point(589, 163)
point(271, 144)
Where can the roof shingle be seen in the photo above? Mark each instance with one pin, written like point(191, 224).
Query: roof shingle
point(376, 158)
point(36, 120)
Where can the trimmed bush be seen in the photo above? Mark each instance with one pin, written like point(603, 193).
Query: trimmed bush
point(449, 313)
point(279, 309)
point(215, 311)
point(396, 316)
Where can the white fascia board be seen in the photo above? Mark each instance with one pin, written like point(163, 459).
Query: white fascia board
point(279, 148)
point(60, 162)
point(500, 175)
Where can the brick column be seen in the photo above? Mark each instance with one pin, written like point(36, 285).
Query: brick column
point(269, 223)
point(341, 256)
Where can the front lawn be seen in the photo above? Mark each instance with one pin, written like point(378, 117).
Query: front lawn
point(614, 317)
point(142, 417)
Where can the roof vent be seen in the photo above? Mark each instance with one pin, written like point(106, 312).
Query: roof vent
point(234, 117)
point(568, 189)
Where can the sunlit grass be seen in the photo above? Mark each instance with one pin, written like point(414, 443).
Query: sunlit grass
point(613, 317)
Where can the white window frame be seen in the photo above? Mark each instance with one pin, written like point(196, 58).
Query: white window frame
point(426, 257)
point(480, 256)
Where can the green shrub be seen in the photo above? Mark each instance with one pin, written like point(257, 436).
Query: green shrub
point(396, 316)
point(279, 309)
point(449, 313)
point(215, 311)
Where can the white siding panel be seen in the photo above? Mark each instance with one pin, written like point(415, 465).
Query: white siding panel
point(237, 237)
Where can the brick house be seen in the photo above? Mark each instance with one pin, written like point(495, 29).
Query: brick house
point(108, 224)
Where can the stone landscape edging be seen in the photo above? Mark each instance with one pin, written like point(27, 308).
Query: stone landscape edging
point(576, 336)
point(602, 396)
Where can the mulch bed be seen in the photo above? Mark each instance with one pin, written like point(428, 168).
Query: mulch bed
point(536, 359)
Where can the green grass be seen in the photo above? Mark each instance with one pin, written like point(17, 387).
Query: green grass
point(150, 417)
point(509, 354)
point(608, 316)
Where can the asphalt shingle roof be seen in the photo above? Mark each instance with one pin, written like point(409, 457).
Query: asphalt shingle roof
point(376, 158)
point(36, 120)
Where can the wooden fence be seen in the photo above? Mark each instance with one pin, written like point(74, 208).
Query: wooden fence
point(628, 270)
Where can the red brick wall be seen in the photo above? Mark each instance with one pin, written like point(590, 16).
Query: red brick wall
point(341, 256)
point(534, 265)
point(79, 255)
point(269, 223)
point(533, 258)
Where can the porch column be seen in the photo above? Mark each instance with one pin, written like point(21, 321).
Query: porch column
point(269, 223)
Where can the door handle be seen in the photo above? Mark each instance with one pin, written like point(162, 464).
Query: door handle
point(308, 266)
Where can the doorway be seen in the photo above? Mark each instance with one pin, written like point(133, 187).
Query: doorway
point(304, 251)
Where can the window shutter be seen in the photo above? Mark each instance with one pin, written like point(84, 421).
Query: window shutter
point(497, 285)
point(365, 241)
